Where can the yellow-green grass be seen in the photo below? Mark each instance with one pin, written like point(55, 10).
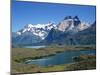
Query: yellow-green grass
point(19, 55)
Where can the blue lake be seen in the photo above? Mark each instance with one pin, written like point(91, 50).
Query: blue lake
point(60, 58)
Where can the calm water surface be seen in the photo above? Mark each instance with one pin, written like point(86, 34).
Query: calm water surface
point(36, 47)
point(60, 58)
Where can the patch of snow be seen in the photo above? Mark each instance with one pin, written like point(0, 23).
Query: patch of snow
point(19, 33)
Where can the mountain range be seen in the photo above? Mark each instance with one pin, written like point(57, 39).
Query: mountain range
point(70, 31)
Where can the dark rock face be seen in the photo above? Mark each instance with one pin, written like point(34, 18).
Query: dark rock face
point(76, 21)
point(53, 36)
point(67, 17)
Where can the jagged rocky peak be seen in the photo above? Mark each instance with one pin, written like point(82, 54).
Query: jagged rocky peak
point(67, 23)
point(72, 23)
point(67, 17)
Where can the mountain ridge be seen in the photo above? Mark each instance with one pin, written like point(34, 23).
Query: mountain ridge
point(51, 33)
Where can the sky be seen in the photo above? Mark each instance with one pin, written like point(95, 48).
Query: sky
point(23, 13)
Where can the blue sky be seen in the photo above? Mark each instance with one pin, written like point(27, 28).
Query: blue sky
point(24, 13)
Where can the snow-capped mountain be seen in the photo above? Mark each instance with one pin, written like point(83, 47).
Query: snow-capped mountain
point(68, 24)
point(40, 30)
point(37, 33)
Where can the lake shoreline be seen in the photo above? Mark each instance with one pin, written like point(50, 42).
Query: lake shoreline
point(60, 50)
point(20, 55)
